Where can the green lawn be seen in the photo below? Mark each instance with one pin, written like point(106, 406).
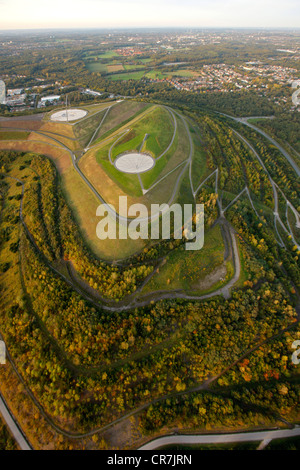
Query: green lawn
point(104, 55)
point(157, 124)
point(128, 183)
point(119, 115)
point(183, 73)
point(183, 269)
point(96, 67)
point(127, 76)
point(155, 74)
point(108, 55)
point(199, 169)
point(130, 141)
point(160, 128)
point(13, 135)
point(150, 176)
point(134, 66)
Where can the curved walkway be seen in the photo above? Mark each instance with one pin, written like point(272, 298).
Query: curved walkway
point(13, 426)
point(277, 218)
point(244, 120)
point(258, 436)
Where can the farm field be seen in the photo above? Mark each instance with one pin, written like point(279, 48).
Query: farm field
point(110, 63)
point(128, 76)
point(96, 67)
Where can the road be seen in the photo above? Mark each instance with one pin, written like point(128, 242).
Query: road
point(98, 128)
point(280, 148)
point(277, 218)
point(244, 120)
point(257, 436)
point(174, 133)
point(13, 426)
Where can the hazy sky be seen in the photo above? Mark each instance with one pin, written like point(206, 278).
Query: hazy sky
point(148, 13)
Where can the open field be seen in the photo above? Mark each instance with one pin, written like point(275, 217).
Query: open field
point(96, 67)
point(156, 125)
point(57, 128)
point(164, 191)
point(11, 135)
point(177, 153)
point(134, 66)
point(152, 130)
point(84, 205)
point(107, 55)
point(119, 115)
point(115, 68)
point(139, 71)
point(184, 73)
point(190, 270)
point(20, 123)
point(157, 74)
point(110, 63)
point(85, 128)
point(128, 76)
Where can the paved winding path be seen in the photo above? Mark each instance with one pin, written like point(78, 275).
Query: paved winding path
point(13, 426)
point(244, 120)
point(258, 436)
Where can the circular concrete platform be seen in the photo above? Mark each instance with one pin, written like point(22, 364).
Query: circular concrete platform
point(68, 115)
point(134, 162)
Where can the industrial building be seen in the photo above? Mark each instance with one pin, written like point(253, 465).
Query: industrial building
point(2, 92)
point(50, 98)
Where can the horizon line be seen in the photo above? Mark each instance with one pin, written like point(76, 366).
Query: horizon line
point(126, 28)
